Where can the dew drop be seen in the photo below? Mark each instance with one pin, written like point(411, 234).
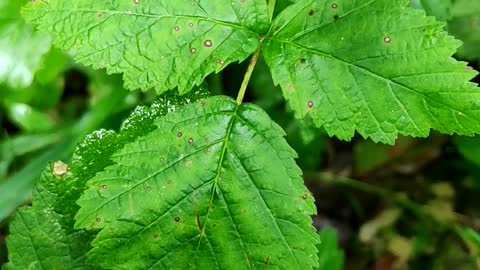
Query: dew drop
point(193, 50)
point(176, 28)
point(177, 219)
point(310, 104)
point(220, 62)
point(190, 25)
point(169, 182)
point(387, 40)
point(305, 196)
point(208, 43)
point(179, 134)
point(190, 141)
point(162, 159)
point(104, 187)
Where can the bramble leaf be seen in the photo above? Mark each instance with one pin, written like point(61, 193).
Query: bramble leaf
point(21, 48)
point(41, 237)
point(215, 186)
point(376, 67)
point(156, 43)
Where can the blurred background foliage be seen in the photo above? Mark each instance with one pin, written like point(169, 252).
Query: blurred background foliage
point(414, 205)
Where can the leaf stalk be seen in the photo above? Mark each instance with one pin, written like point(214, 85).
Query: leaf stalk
point(248, 75)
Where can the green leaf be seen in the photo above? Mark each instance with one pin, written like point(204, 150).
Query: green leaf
point(21, 48)
point(376, 67)
point(469, 147)
point(465, 25)
point(156, 44)
point(215, 186)
point(30, 119)
point(438, 8)
point(330, 256)
point(40, 237)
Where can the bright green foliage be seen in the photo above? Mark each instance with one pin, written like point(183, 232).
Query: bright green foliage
point(40, 236)
point(330, 256)
point(375, 67)
point(21, 49)
point(156, 44)
point(465, 25)
point(214, 187)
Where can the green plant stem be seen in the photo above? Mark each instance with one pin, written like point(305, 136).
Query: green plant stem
point(248, 75)
point(271, 8)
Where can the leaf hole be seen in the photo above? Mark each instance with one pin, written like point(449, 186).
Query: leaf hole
point(179, 134)
point(176, 28)
point(334, 6)
point(305, 196)
point(336, 17)
point(136, 2)
point(310, 104)
point(311, 12)
point(98, 220)
point(303, 61)
point(193, 50)
point(177, 219)
point(208, 43)
point(190, 140)
point(387, 40)
point(104, 187)
point(149, 188)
